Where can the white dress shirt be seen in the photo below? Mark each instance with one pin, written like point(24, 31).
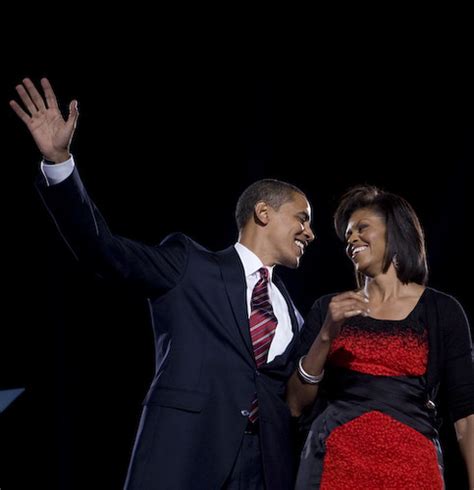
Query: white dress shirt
point(284, 331)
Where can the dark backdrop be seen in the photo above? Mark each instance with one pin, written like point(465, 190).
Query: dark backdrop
point(167, 139)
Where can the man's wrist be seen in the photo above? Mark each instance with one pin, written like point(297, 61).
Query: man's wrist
point(64, 157)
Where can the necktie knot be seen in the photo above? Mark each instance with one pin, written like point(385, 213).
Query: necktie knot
point(264, 274)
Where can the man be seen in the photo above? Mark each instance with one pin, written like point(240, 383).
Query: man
point(214, 416)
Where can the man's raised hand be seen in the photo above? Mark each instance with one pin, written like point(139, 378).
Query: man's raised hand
point(52, 134)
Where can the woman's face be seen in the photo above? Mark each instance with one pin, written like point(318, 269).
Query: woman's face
point(366, 241)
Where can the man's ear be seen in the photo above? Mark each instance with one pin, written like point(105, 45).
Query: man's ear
point(261, 213)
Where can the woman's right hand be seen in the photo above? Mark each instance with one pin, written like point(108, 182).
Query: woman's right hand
point(52, 134)
point(341, 307)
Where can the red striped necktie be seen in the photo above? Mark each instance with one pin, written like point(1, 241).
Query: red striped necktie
point(263, 323)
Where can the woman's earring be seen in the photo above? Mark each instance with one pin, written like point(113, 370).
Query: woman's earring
point(395, 262)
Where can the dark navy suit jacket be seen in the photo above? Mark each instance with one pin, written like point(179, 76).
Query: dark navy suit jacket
point(194, 414)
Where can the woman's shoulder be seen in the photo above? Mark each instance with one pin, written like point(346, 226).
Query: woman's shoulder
point(450, 312)
point(443, 299)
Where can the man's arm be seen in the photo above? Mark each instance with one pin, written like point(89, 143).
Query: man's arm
point(153, 270)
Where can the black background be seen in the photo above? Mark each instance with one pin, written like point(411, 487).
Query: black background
point(172, 128)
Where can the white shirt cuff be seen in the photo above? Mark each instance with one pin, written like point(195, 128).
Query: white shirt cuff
point(54, 174)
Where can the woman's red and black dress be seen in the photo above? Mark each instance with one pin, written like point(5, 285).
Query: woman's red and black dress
point(378, 427)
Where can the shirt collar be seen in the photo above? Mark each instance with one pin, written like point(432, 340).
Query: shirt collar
point(250, 261)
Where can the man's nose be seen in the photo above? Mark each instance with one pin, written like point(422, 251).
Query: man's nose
point(309, 233)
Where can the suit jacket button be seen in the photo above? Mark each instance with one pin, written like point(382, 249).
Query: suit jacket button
point(245, 413)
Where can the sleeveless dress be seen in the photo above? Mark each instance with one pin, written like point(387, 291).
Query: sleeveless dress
point(377, 430)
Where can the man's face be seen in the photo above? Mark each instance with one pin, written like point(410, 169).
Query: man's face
point(289, 231)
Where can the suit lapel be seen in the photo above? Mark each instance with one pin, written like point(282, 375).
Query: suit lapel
point(236, 289)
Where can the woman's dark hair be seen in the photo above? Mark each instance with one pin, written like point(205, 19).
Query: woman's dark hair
point(404, 235)
point(273, 192)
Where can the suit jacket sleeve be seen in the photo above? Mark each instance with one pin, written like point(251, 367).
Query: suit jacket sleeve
point(148, 269)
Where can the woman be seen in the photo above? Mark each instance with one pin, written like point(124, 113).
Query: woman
point(383, 351)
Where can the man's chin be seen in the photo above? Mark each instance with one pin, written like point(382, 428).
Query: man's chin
point(292, 264)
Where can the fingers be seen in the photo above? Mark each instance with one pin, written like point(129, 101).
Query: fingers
point(348, 304)
point(34, 94)
point(357, 295)
point(26, 99)
point(73, 115)
point(351, 300)
point(20, 112)
point(351, 305)
point(32, 99)
point(49, 94)
point(348, 314)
